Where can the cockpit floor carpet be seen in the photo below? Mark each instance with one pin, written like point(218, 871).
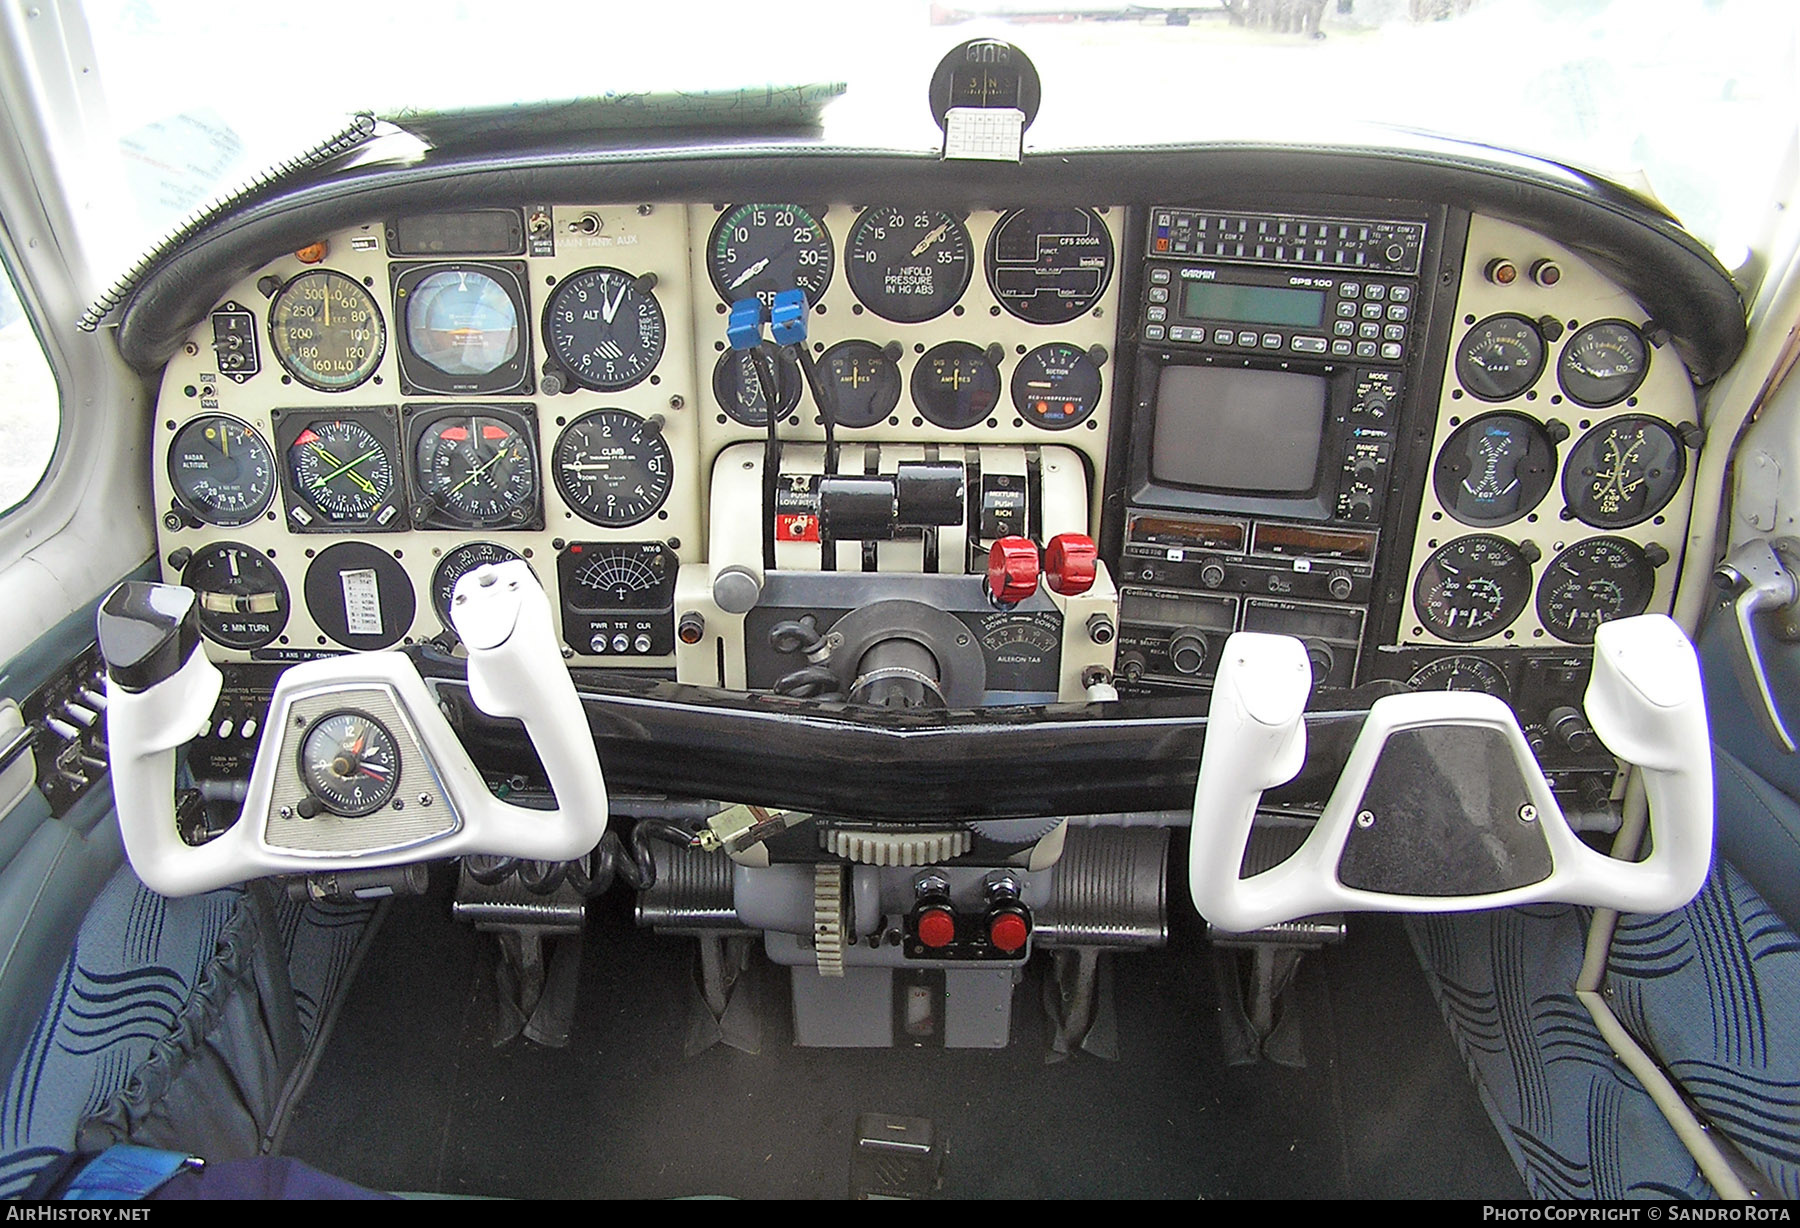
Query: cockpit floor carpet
point(411, 1095)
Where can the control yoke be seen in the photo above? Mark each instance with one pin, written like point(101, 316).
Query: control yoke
point(1441, 806)
point(161, 690)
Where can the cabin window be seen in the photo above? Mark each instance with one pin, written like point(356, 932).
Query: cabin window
point(30, 404)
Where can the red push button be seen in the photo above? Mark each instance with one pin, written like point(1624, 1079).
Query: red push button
point(937, 928)
point(1012, 569)
point(1071, 562)
point(1008, 932)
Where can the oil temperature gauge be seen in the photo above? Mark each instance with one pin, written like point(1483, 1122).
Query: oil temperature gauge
point(349, 761)
point(1593, 582)
point(1472, 588)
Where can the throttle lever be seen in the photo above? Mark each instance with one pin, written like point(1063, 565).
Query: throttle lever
point(1759, 581)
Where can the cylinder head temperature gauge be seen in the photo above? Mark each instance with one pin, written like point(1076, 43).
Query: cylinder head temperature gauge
point(350, 763)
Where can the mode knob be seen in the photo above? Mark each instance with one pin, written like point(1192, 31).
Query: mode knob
point(1187, 650)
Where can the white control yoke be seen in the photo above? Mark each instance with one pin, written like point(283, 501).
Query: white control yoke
point(515, 670)
point(1643, 701)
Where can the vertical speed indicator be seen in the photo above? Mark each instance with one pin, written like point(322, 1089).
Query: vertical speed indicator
point(613, 468)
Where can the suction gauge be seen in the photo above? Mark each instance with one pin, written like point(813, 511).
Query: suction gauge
point(1056, 386)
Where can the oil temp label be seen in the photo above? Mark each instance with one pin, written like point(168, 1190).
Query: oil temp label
point(362, 602)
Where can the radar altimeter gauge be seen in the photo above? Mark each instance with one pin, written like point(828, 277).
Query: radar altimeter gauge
point(221, 470)
point(350, 762)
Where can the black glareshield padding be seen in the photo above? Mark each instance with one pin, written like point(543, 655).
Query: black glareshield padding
point(147, 632)
point(1629, 239)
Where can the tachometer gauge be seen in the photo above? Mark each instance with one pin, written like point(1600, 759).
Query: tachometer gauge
point(613, 468)
point(1056, 386)
point(350, 762)
point(342, 469)
point(1472, 588)
point(908, 266)
point(1500, 357)
point(864, 380)
point(221, 470)
point(1603, 364)
point(1047, 266)
point(605, 328)
point(1462, 673)
point(1593, 582)
point(954, 385)
point(740, 394)
point(326, 330)
point(764, 249)
point(1623, 472)
point(1494, 469)
point(243, 599)
point(475, 471)
point(457, 564)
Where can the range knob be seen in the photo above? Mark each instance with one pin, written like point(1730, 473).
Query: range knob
point(1212, 573)
point(1339, 583)
point(1187, 650)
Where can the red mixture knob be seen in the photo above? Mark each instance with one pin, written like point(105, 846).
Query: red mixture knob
point(1012, 569)
point(1072, 561)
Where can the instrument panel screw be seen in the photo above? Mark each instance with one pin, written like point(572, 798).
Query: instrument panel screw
point(299, 722)
point(1365, 818)
point(677, 401)
point(1527, 813)
point(424, 799)
point(646, 210)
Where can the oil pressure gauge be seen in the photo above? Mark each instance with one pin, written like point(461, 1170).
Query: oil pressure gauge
point(1472, 588)
point(1593, 582)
